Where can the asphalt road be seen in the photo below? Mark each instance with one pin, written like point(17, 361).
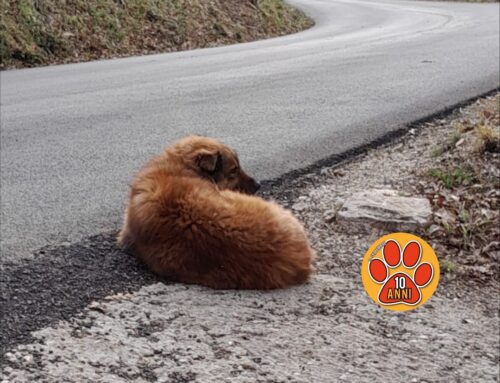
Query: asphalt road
point(73, 135)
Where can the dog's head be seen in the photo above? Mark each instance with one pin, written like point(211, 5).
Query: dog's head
point(213, 160)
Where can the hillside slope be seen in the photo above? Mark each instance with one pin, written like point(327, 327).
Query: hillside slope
point(36, 33)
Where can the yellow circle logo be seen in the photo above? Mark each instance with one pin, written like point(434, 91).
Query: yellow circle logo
point(400, 271)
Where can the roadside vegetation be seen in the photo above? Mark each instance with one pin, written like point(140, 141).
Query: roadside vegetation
point(472, 1)
point(36, 33)
point(452, 160)
point(463, 185)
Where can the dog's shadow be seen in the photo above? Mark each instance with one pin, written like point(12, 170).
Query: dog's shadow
point(60, 281)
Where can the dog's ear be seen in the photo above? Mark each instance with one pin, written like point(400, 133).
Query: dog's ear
point(208, 161)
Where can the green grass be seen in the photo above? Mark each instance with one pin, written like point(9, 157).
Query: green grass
point(452, 178)
point(448, 267)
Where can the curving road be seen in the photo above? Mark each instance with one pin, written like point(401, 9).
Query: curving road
point(73, 135)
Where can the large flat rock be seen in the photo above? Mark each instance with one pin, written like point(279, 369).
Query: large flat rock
point(384, 209)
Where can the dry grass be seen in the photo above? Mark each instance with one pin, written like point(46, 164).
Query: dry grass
point(42, 32)
point(464, 187)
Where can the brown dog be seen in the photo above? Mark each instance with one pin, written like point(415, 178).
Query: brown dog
point(189, 221)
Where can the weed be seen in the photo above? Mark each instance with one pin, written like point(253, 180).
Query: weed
point(488, 138)
point(455, 137)
point(438, 151)
point(447, 228)
point(471, 171)
point(452, 178)
point(448, 267)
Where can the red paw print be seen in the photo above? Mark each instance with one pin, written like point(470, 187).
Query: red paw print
point(400, 287)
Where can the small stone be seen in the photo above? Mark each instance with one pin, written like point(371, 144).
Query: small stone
point(95, 306)
point(445, 216)
point(338, 173)
point(299, 206)
point(433, 229)
point(10, 356)
point(157, 350)
point(329, 215)
point(8, 370)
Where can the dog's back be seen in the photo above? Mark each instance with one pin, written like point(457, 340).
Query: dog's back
point(186, 229)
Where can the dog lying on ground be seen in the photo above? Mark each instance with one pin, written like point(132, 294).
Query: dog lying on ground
point(190, 218)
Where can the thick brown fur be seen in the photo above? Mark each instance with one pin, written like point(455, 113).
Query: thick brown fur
point(189, 220)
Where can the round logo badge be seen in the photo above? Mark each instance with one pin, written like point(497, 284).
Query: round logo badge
point(400, 271)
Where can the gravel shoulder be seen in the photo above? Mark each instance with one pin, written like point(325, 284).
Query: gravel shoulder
point(325, 331)
point(405, 165)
